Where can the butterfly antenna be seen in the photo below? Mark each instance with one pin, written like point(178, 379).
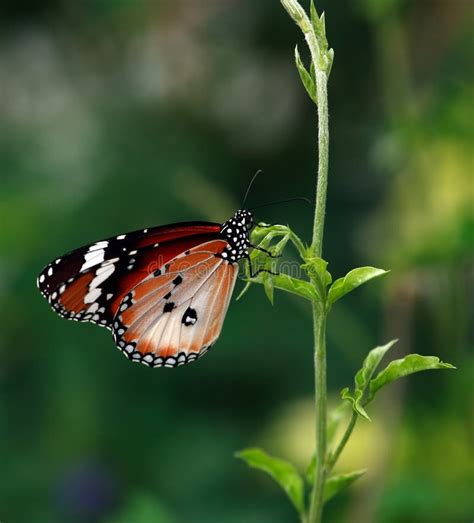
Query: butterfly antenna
point(250, 186)
point(296, 199)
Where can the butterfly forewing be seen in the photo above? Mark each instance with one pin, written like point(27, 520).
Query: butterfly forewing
point(89, 283)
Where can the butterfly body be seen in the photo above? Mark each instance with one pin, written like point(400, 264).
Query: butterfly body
point(163, 291)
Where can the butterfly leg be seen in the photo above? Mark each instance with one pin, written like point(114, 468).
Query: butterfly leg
point(258, 271)
point(261, 249)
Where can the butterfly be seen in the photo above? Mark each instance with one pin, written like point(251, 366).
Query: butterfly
point(163, 292)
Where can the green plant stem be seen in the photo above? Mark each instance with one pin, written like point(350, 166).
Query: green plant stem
point(320, 312)
point(321, 66)
point(319, 324)
point(323, 162)
point(332, 460)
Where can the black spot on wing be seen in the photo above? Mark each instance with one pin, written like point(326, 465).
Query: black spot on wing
point(178, 280)
point(189, 317)
point(169, 306)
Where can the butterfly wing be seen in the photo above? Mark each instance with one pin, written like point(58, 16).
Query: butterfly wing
point(89, 283)
point(175, 314)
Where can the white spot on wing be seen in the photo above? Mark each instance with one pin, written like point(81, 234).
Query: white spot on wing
point(93, 308)
point(92, 295)
point(121, 237)
point(99, 245)
point(102, 274)
point(112, 260)
point(92, 258)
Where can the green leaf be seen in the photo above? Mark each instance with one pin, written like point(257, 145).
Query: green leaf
point(312, 72)
point(263, 237)
point(355, 402)
point(295, 286)
point(317, 269)
point(371, 362)
point(268, 287)
point(284, 473)
point(336, 484)
point(265, 232)
point(321, 32)
point(352, 280)
point(306, 78)
point(244, 290)
point(314, 15)
point(319, 28)
point(330, 57)
point(403, 367)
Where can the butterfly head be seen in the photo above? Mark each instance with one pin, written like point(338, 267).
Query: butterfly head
point(244, 218)
point(240, 223)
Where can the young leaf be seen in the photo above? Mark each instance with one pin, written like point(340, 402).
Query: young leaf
point(312, 72)
point(268, 287)
point(314, 15)
point(284, 473)
point(403, 367)
point(336, 484)
point(330, 57)
point(371, 362)
point(317, 269)
point(281, 281)
point(263, 234)
point(355, 401)
point(295, 286)
point(244, 290)
point(352, 280)
point(306, 77)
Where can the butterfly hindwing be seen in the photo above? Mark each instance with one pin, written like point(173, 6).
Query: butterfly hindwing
point(176, 314)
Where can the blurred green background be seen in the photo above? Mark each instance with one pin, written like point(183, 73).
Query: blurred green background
point(117, 115)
